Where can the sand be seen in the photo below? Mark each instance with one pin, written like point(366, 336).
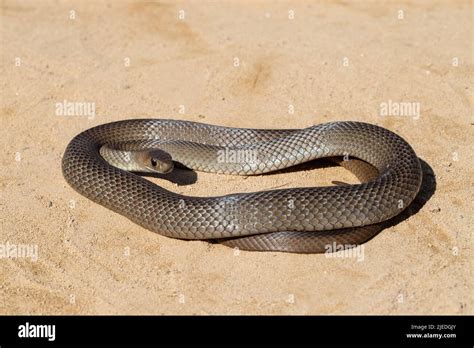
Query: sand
point(240, 64)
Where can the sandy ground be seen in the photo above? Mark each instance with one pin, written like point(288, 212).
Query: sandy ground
point(242, 64)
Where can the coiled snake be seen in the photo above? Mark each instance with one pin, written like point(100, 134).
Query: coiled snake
point(98, 161)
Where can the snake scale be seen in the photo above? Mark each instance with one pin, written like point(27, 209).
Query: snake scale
point(100, 163)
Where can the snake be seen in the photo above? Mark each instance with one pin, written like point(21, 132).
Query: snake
point(107, 164)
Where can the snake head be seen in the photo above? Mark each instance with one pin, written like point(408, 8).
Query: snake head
point(157, 161)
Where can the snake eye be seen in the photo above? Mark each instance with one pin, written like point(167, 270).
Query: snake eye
point(153, 162)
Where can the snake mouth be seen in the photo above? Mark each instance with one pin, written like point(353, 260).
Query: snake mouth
point(160, 167)
point(167, 170)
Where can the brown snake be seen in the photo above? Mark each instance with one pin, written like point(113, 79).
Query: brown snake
point(98, 161)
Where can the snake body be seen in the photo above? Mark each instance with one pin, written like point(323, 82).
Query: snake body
point(295, 220)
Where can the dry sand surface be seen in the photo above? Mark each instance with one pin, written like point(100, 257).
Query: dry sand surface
point(333, 61)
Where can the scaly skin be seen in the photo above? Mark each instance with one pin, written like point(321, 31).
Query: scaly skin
point(295, 220)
